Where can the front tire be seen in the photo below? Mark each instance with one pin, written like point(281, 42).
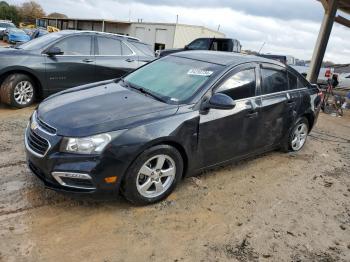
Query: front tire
point(153, 175)
point(18, 90)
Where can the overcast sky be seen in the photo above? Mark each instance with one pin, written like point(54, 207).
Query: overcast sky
point(288, 27)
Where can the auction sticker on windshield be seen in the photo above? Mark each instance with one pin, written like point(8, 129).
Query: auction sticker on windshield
point(199, 72)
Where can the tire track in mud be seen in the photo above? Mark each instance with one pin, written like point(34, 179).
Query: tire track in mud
point(19, 210)
point(21, 162)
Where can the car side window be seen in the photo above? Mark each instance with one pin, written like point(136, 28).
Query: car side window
point(199, 44)
point(240, 85)
point(273, 80)
point(109, 46)
point(126, 50)
point(292, 81)
point(75, 45)
point(302, 83)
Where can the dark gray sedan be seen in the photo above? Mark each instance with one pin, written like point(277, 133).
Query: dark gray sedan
point(58, 61)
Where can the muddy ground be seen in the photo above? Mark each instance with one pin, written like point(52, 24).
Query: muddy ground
point(276, 207)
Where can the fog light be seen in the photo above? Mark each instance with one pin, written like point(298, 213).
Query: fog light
point(111, 179)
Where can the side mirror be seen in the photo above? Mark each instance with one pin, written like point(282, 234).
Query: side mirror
point(54, 51)
point(220, 101)
point(186, 47)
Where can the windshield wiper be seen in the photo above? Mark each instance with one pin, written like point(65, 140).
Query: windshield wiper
point(142, 90)
point(150, 93)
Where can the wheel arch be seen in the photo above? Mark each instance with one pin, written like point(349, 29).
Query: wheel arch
point(168, 142)
point(181, 150)
point(37, 83)
point(310, 118)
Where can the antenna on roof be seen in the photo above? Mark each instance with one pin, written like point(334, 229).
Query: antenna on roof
point(261, 47)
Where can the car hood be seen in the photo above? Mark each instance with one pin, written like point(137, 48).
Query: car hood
point(99, 108)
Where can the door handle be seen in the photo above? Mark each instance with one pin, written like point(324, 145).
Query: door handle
point(129, 60)
point(252, 114)
point(87, 60)
point(291, 102)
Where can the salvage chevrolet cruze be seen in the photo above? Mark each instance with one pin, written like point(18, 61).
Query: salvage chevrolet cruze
point(174, 117)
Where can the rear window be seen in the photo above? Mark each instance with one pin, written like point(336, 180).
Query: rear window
point(144, 48)
point(109, 46)
point(292, 81)
point(273, 81)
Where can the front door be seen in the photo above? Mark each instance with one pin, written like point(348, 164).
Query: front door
point(75, 66)
point(229, 134)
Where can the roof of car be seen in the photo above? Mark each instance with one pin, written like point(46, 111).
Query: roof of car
point(224, 58)
point(66, 32)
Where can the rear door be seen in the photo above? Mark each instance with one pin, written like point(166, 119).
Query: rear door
point(114, 58)
point(227, 134)
point(275, 108)
point(76, 65)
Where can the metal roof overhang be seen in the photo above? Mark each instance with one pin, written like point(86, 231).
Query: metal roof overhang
point(330, 16)
point(343, 5)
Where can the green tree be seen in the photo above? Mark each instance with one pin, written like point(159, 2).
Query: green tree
point(9, 12)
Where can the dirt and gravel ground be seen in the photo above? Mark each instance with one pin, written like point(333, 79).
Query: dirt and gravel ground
point(276, 207)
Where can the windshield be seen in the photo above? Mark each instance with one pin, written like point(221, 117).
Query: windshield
point(7, 25)
point(173, 78)
point(40, 42)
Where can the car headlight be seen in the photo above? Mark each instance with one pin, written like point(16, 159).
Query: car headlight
point(88, 145)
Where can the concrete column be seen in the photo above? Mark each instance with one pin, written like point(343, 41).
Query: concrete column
point(322, 41)
point(103, 25)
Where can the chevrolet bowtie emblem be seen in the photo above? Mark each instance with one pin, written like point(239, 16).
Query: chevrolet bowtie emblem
point(33, 126)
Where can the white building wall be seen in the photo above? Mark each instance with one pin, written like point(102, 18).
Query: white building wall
point(184, 34)
point(150, 33)
point(117, 28)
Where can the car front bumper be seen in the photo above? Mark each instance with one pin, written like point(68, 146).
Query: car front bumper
point(72, 173)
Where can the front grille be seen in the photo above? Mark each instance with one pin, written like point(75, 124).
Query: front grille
point(37, 144)
point(46, 127)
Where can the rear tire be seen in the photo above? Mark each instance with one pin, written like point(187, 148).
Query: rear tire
point(18, 90)
point(153, 175)
point(297, 137)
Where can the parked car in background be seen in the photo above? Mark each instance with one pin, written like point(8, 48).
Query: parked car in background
point(323, 76)
point(4, 25)
point(344, 80)
point(176, 116)
point(37, 32)
point(15, 35)
point(65, 59)
point(213, 44)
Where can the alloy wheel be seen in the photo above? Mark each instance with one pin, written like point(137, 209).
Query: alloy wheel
point(299, 136)
point(156, 176)
point(23, 92)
